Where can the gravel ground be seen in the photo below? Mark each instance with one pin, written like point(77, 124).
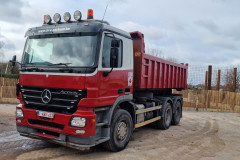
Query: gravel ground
point(200, 135)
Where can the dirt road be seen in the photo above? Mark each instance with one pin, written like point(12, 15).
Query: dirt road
point(200, 135)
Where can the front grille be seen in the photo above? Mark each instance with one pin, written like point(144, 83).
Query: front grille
point(47, 124)
point(62, 100)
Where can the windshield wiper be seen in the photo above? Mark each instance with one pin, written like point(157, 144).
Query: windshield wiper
point(31, 68)
point(59, 64)
point(67, 69)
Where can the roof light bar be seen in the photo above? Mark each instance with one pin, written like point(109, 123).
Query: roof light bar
point(57, 17)
point(67, 17)
point(77, 15)
point(47, 19)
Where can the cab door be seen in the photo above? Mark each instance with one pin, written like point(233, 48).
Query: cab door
point(113, 85)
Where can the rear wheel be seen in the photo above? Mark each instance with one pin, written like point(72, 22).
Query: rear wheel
point(177, 115)
point(165, 121)
point(120, 131)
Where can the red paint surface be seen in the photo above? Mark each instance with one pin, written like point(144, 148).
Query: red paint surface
point(101, 91)
point(45, 136)
point(152, 72)
point(63, 119)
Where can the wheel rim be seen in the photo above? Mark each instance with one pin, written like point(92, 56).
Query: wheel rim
point(168, 116)
point(122, 131)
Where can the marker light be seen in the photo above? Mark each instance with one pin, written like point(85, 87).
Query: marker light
point(77, 15)
point(67, 17)
point(57, 17)
point(90, 14)
point(47, 19)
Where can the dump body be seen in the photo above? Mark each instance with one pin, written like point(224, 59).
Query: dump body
point(151, 72)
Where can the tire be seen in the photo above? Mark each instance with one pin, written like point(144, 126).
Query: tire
point(177, 115)
point(121, 130)
point(165, 122)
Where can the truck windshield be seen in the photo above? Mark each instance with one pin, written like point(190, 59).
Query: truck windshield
point(50, 50)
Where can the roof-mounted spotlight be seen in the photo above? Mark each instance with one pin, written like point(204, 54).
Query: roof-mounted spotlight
point(57, 17)
point(47, 19)
point(77, 15)
point(67, 17)
point(90, 14)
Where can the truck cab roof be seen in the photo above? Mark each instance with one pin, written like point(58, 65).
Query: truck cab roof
point(82, 26)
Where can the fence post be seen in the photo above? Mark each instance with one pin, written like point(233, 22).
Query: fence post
point(234, 79)
point(206, 78)
point(208, 99)
point(197, 102)
point(218, 80)
point(209, 77)
point(1, 92)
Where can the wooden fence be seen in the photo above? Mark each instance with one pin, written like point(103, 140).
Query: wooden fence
point(208, 100)
point(8, 90)
point(211, 100)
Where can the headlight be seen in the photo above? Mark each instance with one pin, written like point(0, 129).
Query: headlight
point(47, 19)
point(67, 17)
point(77, 15)
point(57, 17)
point(19, 113)
point(78, 122)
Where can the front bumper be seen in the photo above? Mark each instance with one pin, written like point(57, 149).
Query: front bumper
point(77, 142)
point(58, 129)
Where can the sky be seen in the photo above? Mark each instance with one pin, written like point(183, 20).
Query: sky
point(198, 32)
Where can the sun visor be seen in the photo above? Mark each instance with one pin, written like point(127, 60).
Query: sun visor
point(65, 28)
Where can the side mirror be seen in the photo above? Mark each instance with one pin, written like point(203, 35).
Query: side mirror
point(115, 43)
point(114, 58)
point(13, 61)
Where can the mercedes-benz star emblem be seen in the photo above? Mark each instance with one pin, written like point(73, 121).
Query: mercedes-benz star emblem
point(46, 96)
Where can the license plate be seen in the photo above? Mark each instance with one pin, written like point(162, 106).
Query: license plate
point(45, 114)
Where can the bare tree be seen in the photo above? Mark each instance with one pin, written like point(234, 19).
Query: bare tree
point(172, 59)
point(1, 52)
point(159, 53)
point(228, 80)
point(155, 52)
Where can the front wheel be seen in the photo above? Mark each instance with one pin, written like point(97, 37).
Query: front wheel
point(120, 131)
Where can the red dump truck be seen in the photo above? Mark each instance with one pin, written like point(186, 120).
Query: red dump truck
point(84, 83)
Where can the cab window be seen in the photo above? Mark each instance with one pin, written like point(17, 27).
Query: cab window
point(106, 53)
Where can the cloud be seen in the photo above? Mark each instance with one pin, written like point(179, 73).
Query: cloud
point(195, 32)
point(208, 24)
point(222, 44)
point(150, 32)
point(11, 10)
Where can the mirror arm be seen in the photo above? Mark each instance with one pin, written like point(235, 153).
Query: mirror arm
point(105, 74)
point(15, 62)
